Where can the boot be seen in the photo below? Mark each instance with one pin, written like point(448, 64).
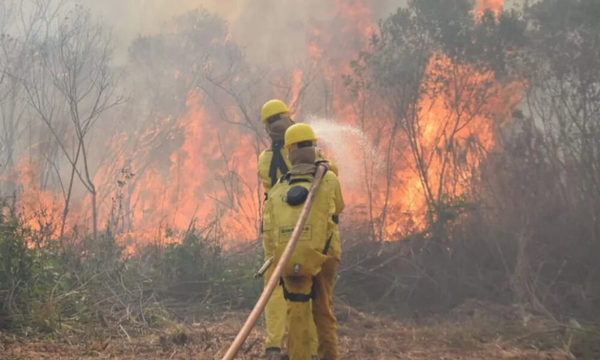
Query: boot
point(273, 353)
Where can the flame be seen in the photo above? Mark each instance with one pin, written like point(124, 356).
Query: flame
point(201, 183)
point(199, 171)
point(295, 91)
point(39, 209)
point(476, 132)
point(405, 205)
point(314, 47)
point(337, 42)
point(495, 6)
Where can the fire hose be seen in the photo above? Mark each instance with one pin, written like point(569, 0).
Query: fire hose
point(274, 279)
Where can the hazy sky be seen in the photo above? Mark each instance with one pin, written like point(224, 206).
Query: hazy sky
point(263, 27)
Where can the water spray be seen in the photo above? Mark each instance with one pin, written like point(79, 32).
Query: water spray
point(348, 146)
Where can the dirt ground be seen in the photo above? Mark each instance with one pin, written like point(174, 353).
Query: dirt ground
point(466, 334)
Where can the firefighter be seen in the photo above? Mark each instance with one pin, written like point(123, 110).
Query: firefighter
point(272, 164)
point(308, 278)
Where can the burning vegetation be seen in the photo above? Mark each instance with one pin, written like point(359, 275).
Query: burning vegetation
point(466, 134)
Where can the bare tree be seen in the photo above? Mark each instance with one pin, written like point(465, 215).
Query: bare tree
point(243, 89)
point(20, 28)
point(387, 84)
point(70, 87)
point(444, 156)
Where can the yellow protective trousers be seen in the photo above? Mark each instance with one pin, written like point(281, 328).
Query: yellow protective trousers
point(302, 319)
point(301, 335)
point(276, 319)
point(275, 315)
point(322, 310)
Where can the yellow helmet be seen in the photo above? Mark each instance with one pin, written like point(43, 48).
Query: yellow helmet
point(273, 107)
point(298, 133)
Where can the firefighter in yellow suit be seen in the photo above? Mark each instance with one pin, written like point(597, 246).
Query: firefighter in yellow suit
point(309, 277)
point(272, 164)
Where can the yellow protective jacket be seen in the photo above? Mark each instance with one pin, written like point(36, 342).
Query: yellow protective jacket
point(320, 236)
point(270, 171)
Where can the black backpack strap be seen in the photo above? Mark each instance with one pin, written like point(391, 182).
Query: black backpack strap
point(277, 162)
point(298, 180)
point(327, 245)
point(299, 297)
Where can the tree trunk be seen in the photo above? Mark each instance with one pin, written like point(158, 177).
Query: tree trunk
point(94, 213)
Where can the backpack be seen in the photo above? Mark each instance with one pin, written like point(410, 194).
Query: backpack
point(289, 196)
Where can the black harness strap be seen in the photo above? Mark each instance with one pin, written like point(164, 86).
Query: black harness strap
point(299, 297)
point(299, 180)
point(327, 245)
point(277, 162)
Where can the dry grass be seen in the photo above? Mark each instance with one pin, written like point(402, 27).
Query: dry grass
point(479, 332)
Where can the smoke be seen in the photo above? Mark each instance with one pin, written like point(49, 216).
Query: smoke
point(271, 32)
point(188, 78)
point(183, 145)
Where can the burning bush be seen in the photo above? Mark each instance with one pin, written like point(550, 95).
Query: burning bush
point(466, 134)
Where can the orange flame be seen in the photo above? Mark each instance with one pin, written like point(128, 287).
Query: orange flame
point(201, 183)
point(451, 119)
point(406, 205)
point(295, 91)
point(39, 209)
point(197, 171)
point(495, 6)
